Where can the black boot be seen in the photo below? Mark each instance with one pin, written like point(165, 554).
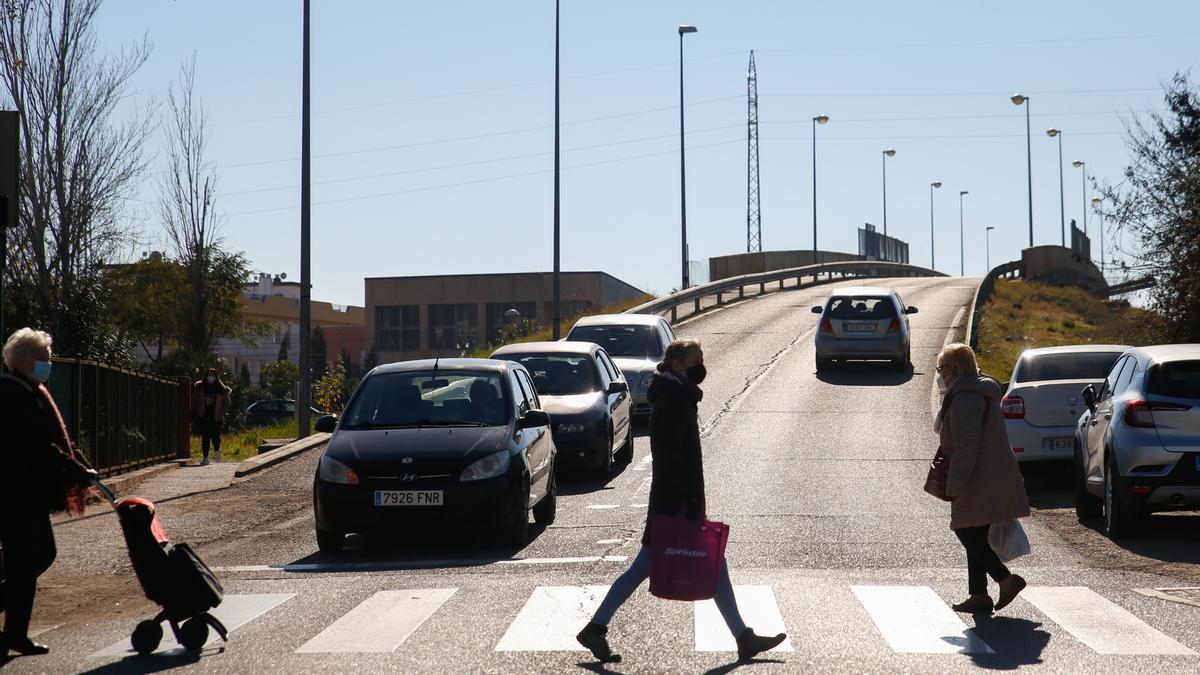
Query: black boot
point(750, 645)
point(25, 647)
point(594, 637)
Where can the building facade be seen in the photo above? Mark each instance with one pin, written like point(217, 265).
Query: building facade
point(448, 315)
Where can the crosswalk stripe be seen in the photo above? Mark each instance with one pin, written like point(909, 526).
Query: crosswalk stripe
point(1100, 623)
point(759, 610)
point(914, 620)
point(551, 618)
point(234, 611)
point(381, 623)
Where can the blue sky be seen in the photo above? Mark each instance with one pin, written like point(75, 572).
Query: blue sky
point(432, 138)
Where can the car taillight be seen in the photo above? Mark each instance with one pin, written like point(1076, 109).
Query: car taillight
point(1013, 407)
point(826, 325)
point(894, 326)
point(1140, 413)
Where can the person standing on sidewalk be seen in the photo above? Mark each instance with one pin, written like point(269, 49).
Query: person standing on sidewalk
point(984, 481)
point(41, 472)
point(676, 483)
point(210, 402)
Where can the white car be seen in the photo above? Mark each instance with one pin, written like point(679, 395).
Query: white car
point(636, 343)
point(1043, 401)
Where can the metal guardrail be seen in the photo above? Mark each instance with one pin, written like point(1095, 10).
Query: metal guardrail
point(1132, 285)
point(858, 268)
point(983, 293)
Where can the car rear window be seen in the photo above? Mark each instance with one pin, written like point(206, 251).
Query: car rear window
point(1177, 379)
point(1068, 366)
point(621, 341)
point(560, 374)
point(862, 307)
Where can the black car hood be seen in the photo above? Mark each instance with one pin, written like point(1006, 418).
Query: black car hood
point(424, 451)
point(573, 406)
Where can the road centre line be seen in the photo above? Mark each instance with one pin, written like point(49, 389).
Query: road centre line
point(413, 564)
point(935, 396)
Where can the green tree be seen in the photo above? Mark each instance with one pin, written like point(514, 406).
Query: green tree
point(284, 343)
point(329, 391)
point(1159, 203)
point(244, 376)
point(280, 377)
point(146, 305)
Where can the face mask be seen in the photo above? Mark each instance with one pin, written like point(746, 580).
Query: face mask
point(697, 373)
point(210, 379)
point(41, 370)
point(941, 383)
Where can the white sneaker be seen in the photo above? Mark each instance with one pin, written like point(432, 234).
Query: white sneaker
point(217, 456)
point(204, 462)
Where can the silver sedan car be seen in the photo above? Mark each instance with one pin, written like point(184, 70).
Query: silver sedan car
point(636, 343)
point(863, 323)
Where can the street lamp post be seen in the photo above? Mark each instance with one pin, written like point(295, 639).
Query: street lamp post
point(1080, 164)
point(987, 248)
point(961, 264)
point(683, 30)
point(556, 329)
point(304, 386)
point(1062, 208)
point(932, 186)
point(890, 152)
point(1096, 205)
point(819, 119)
point(1021, 99)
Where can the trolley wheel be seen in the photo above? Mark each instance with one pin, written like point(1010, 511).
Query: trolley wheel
point(146, 637)
point(193, 634)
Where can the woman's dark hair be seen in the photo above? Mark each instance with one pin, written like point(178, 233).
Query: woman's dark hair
point(677, 351)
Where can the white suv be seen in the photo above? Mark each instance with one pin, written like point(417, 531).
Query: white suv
point(1139, 443)
point(1043, 402)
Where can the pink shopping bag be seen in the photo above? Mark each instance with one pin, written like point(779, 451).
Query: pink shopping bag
point(685, 557)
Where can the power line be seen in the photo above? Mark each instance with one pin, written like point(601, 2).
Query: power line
point(933, 137)
point(842, 120)
point(1046, 92)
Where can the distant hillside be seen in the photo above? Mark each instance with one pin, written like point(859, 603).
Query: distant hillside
point(1023, 314)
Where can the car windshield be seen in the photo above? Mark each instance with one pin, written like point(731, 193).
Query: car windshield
point(429, 398)
point(1068, 366)
point(1177, 379)
point(861, 307)
point(560, 374)
point(620, 341)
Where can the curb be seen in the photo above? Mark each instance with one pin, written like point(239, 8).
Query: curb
point(255, 464)
point(128, 481)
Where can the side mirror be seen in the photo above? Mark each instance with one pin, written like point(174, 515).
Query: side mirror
point(817, 309)
point(534, 418)
point(911, 310)
point(1089, 397)
point(617, 387)
point(325, 424)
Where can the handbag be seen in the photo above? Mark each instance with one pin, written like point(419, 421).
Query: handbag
point(939, 467)
point(686, 555)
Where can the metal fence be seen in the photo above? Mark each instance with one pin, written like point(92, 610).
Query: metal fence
point(121, 419)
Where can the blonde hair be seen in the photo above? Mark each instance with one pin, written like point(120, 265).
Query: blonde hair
point(961, 357)
point(25, 345)
point(677, 351)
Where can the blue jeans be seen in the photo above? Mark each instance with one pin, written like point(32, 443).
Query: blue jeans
point(639, 571)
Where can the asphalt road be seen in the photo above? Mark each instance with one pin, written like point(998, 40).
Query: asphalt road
point(832, 539)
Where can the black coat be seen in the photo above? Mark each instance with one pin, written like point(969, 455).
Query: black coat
point(33, 472)
point(677, 478)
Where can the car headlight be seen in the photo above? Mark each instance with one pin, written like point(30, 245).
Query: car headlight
point(489, 467)
point(332, 471)
point(644, 383)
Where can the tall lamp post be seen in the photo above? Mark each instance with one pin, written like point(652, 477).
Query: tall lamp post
point(819, 119)
point(890, 152)
point(557, 317)
point(961, 264)
point(932, 186)
point(1080, 164)
point(304, 386)
point(1021, 99)
point(683, 30)
point(987, 248)
point(1096, 205)
point(1062, 204)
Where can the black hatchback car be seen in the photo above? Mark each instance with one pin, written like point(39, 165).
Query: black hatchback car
point(587, 398)
point(436, 443)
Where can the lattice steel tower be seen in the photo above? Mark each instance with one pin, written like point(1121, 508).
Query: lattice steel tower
point(753, 221)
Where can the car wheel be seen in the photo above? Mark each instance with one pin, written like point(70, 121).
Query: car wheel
point(330, 542)
point(1087, 505)
point(823, 364)
point(899, 364)
point(517, 533)
point(545, 511)
point(605, 470)
point(625, 454)
point(1118, 516)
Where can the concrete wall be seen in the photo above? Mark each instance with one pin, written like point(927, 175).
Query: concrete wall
point(723, 267)
point(1060, 266)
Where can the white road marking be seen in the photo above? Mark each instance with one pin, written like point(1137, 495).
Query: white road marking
point(759, 610)
point(914, 620)
point(381, 623)
point(603, 506)
point(551, 618)
point(235, 611)
point(638, 506)
point(647, 459)
point(412, 564)
point(1100, 623)
point(610, 541)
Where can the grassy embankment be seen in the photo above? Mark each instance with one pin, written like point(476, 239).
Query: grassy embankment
point(243, 444)
point(1022, 315)
point(544, 335)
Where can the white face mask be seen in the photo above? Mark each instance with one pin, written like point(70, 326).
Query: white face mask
point(941, 383)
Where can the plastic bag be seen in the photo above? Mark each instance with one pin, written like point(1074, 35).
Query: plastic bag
point(1008, 540)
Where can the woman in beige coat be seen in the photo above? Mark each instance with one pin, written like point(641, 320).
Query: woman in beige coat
point(984, 481)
